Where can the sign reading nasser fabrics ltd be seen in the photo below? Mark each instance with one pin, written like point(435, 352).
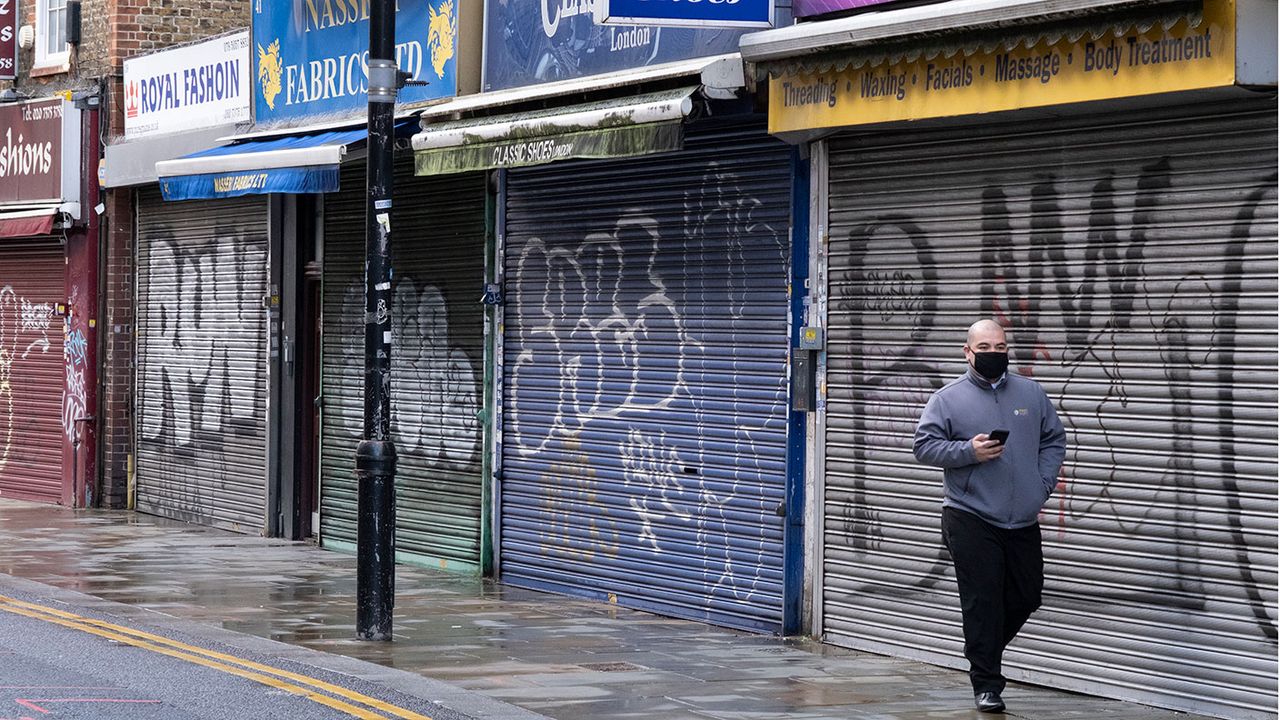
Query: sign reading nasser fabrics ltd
point(188, 88)
point(311, 57)
point(1194, 53)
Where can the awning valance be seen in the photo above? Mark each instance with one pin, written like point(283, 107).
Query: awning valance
point(621, 127)
point(292, 164)
point(27, 221)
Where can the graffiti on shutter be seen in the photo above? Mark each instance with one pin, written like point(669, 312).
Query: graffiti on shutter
point(1193, 313)
point(203, 301)
point(639, 331)
point(24, 330)
point(426, 393)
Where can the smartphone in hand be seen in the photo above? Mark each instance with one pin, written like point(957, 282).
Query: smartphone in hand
point(1000, 436)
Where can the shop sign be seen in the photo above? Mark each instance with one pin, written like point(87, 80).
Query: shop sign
point(528, 42)
point(1187, 56)
point(31, 151)
point(311, 57)
point(8, 39)
point(192, 87)
point(314, 180)
point(810, 8)
point(686, 13)
point(616, 142)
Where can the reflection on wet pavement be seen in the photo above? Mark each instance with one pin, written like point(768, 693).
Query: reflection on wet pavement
point(569, 659)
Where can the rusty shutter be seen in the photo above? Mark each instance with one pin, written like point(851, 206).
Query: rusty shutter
point(202, 361)
point(31, 371)
point(1132, 257)
point(437, 363)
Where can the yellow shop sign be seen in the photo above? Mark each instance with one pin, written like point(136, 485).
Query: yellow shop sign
point(1187, 56)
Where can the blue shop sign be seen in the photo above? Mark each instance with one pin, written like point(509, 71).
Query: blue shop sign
point(528, 42)
point(687, 13)
point(311, 57)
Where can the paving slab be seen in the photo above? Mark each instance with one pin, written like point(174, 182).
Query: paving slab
point(564, 658)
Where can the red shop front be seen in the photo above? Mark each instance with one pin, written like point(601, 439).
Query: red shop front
point(48, 302)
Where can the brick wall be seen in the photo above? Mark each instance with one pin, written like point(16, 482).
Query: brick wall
point(116, 431)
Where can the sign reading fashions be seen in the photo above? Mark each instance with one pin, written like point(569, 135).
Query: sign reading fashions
point(686, 13)
point(8, 39)
point(528, 42)
point(31, 151)
point(188, 88)
point(810, 8)
point(311, 57)
point(1187, 56)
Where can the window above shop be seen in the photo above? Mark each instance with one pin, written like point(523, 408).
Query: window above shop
point(52, 52)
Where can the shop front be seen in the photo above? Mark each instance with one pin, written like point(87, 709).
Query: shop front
point(640, 301)
point(1105, 188)
point(437, 364)
point(298, 179)
point(48, 306)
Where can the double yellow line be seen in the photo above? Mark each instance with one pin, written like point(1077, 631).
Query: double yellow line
point(315, 690)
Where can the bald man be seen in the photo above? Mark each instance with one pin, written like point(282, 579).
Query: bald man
point(1000, 444)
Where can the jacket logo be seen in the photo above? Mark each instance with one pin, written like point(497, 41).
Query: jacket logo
point(1020, 412)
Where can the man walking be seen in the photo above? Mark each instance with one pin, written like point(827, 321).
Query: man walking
point(1000, 444)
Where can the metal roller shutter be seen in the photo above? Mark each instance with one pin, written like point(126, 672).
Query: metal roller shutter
point(202, 361)
point(438, 233)
point(31, 372)
point(1132, 256)
point(644, 424)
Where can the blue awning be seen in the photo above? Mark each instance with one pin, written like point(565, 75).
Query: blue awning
point(294, 164)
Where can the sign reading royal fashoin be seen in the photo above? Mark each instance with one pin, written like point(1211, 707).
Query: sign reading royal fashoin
point(311, 57)
point(188, 88)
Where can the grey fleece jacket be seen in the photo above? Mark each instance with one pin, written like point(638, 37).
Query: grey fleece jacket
point(1009, 491)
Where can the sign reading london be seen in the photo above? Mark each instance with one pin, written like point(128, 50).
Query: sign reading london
point(686, 13)
point(311, 57)
point(1187, 56)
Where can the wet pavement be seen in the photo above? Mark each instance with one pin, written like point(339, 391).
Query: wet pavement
point(564, 658)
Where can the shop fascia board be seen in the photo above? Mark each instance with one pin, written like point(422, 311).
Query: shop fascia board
point(132, 161)
point(874, 27)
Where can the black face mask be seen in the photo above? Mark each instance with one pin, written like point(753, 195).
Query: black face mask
point(991, 365)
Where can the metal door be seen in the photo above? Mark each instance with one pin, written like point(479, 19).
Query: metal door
point(438, 232)
point(32, 359)
point(1132, 258)
point(645, 350)
point(202, 361)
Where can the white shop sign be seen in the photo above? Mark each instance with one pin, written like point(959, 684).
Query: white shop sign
point(188, 88)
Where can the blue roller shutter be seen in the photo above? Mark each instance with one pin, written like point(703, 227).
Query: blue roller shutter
point(645, 349)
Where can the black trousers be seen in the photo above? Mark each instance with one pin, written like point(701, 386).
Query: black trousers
point(1000, 574)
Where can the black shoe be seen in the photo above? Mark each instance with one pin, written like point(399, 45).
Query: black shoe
point(988, 702)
